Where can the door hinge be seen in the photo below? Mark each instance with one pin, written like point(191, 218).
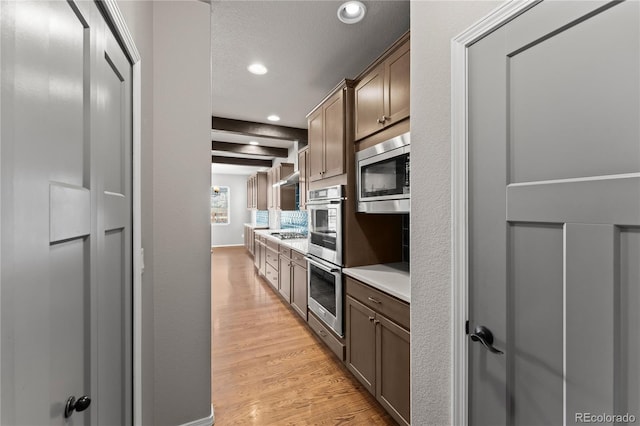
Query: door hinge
point(466, 327)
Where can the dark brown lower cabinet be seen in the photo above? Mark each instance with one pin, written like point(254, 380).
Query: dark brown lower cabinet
point(293, 279)
point(361, 340)
point(299, 288)
point(393, 374)
point(285, 276)
point(378, 349)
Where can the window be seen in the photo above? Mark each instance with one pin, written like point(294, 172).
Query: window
point(220, 205)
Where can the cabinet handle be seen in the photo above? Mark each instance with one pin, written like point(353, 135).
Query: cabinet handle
point(371, 318)
point(384, 118)
point(322, 333)
point(376, 321)
point(380, 120)
point(374, 300)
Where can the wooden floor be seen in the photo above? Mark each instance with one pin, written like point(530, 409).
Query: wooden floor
point(267, 367)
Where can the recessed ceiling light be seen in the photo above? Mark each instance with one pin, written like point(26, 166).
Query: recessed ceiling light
point(253, 143)
point(273, 117)
point(351, 12)
point(257, 69)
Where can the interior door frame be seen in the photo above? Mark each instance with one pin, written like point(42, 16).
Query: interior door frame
point(460, 196)
point(115, 19)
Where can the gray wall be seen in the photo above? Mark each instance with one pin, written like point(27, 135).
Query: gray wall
point(181, 194)
point(139, 18)
point(433, 25)
point(232, 234)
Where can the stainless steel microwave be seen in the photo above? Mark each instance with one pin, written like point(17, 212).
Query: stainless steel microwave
point(383, 182)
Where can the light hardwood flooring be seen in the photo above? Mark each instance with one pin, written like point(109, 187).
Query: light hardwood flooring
point(267, 367)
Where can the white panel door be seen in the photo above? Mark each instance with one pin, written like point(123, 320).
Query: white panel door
point(65, 210)
point(554, 216)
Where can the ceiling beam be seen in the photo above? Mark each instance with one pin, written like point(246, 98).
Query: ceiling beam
point(241, 161)
point(240, 148)
point(259, 129)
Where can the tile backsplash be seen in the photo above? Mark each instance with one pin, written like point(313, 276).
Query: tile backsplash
point(295, 220)
point(261, 217)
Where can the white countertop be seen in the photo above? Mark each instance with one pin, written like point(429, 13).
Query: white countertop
point(392, 278)
point(299, 245)
point(254, 226)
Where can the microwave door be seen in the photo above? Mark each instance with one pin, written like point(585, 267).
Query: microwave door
point(385, 178)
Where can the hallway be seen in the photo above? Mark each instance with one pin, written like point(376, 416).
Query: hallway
point(267, 368)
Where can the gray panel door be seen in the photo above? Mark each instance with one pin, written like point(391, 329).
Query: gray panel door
point(65, 211)
point(554, 216)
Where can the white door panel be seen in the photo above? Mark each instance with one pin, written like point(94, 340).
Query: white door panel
point(554, 214)
point(66, 287)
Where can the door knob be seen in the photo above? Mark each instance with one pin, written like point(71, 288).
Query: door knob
point(80, 404)
point(483, 335)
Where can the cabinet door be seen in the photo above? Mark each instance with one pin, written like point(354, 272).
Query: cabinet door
point(270, 189)
point(369, 103)
point(334, 139)
point(393, 379)
point(284, 283)
point(397, 85)
point(302, 167)
point(316, 146)
point(361, 343)
point(263, 260)
point(277, 175)
point(299, 290)
point(249, 193)
point(256, 254)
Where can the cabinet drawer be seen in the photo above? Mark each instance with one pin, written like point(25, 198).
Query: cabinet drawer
point(389, 306)
point(298, 258)
point(285, 251)
point(336, 346)
point(272, 244)
point(271, 274)
point(272, 258)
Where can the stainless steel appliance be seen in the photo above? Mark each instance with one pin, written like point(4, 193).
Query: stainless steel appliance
point(325, 255)
point(325, 223)
point(382, 174)
point(325, 292)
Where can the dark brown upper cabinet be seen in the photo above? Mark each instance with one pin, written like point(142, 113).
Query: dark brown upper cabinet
point(327, 134)
point(382, 94)
point(257, 191)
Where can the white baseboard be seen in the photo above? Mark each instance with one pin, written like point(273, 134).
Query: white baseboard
point(228, 245)
point(207, 421)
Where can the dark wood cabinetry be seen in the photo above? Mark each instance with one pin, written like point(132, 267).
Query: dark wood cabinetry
point(272, 259)
point(378, 348)
point(303, 167)
point(382, 94)
point(327, 134)
point(280, 197)
point(285, 273)
point(293, 279)
point(257, 191)
point(299, 284)
point(260, 254)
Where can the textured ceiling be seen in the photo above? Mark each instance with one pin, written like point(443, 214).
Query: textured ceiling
point(305, 47)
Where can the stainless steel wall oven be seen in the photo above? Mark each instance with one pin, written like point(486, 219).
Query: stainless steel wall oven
point(325, 291)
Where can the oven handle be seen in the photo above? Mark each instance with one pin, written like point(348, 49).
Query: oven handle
point(321, 266)
point(324, 202)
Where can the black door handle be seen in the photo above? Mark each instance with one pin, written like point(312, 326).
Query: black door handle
point(80, 404)
point(483, 335)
